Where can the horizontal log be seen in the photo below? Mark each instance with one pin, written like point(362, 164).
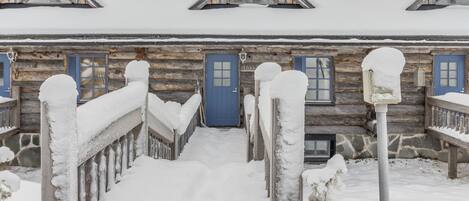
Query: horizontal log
point(348, 110)
point(35, 66)
point(338, 129)
point(197, 56)
point(335, 120)
point(35, 56)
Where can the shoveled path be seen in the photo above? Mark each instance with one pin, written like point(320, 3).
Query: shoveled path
point(212, 167)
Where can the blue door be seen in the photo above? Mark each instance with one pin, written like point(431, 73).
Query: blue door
point(4, 76)
point(221, 90)
point(448, 74)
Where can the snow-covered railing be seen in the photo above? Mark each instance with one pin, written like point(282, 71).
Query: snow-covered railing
point(317, 183)
point(86, 150)
point(279, 115)
point(10, 114)
point(171, 125)
point(447, 118)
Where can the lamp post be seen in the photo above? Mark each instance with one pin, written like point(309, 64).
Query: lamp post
point(381, 86)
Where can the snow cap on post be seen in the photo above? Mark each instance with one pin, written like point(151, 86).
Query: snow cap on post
point(58, 88)
point(267, 71)
point(387, 60)
point(137, 71)
point(289, 85)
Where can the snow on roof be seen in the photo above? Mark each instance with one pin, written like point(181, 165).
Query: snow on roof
point(329, 18)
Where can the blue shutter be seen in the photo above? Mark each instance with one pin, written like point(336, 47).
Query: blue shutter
point(73, 65)
point(299, 64)
point(5, 88)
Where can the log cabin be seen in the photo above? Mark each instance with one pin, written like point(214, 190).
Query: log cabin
point(215, 45)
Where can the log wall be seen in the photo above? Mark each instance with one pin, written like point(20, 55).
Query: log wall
point(177, 69)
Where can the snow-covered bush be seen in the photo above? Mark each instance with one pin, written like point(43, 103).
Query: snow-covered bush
point(317, 183)
point(9, 182)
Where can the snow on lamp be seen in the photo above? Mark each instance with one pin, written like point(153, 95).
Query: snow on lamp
point(382, 69)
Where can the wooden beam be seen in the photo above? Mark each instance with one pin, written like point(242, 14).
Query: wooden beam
point(453, 162)
point(450, 139)
point(258, 141)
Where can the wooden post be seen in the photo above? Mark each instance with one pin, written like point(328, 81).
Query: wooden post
point(58, 121)
point(453, 162)
point(47, 189)
point(274, 160)
point(258, 140)
point(175, 146)
point(15, 94)
point(428, 107)
point(249, 147)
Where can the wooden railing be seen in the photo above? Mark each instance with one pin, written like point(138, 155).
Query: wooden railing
point(279, 135)
point(448, 121)
point(10, 114)
point(79, 163)
point(165, 142)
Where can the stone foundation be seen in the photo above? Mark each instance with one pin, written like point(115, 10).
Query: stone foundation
point(400, 146)
point(26, 149)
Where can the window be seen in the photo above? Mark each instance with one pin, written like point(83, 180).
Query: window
point(222, 74)
point(54, 3)
point(435, 4)
point(320, 78)
point(214, 4)
point(90, 73)
point(4, 75)
point(319, 147)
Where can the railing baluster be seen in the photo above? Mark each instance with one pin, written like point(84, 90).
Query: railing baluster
point(82, 183)
point(111, 173)
point(102, 175)
point(118, 161)
point(94, 180)
point(125, 155)
point(131, 150)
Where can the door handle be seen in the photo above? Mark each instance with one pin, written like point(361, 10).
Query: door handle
point(235, 90)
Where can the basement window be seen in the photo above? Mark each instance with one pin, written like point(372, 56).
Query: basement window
point(319, 147)
point(49, 3)
point(435, 4)
point(215, 4)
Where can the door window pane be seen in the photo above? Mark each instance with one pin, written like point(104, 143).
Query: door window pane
point(452, 74)
point(453, 66)
point(217, 65)
point(217, 73)
point(452, 82)
point(226, 82)
point(226, 66)
point(226, 74)
point(443, 66)
point(443, 82)
point(217, 82)
point(444, 74)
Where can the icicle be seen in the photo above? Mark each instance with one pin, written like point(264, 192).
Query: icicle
point(111, 173)
point(82, 192)
point(94, 180)
point(118, 161)
point(102, 176)
point(125, 155)
point(131, 150)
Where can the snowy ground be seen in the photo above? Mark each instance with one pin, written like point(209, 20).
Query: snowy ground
point(212, 168)
point(411, 180)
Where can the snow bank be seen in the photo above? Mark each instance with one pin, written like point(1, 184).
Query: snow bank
point(9, 182)
point(187, 112)
point(59, 95)
point(96, 115)
point(290, 88)
point(458, 98)
point(137, 71)
point(318, 182)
